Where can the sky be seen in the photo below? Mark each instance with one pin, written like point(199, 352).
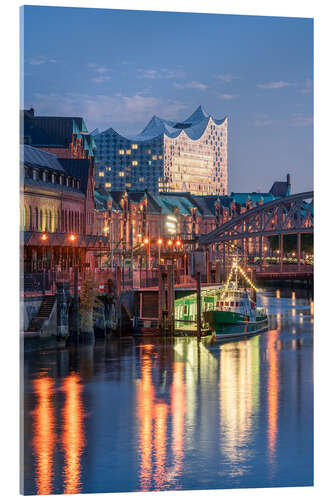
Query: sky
point(119, 68)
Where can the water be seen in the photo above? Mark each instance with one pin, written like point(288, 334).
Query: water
point(130, 415)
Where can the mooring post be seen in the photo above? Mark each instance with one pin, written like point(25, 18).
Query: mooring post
point(160, 297)
point(171, 299)
point(118, 281)
point(75, 319)
point(198, 305)
point(62, 309)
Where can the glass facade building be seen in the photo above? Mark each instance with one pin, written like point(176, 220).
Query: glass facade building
point(189, 156)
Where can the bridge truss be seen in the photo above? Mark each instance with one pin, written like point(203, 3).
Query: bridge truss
point(249, 231)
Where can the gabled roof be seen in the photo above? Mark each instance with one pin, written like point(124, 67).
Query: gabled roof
point(38, 158)
point(280, 189)
point(53, 131)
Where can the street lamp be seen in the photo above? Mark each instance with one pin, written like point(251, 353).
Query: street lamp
point(147, 245)
point(159, 243)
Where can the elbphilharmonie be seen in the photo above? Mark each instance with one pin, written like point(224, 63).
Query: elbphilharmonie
point(167, 156)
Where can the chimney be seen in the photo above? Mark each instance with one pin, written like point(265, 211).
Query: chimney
point(289, 185)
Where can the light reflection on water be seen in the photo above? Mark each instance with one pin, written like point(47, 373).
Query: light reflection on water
point(174, 414)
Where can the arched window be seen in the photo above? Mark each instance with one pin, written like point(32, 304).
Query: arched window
point(49, 222)
point(36, 219)
point(40, 222)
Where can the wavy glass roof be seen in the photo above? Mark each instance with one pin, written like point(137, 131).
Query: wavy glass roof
point(194, 126)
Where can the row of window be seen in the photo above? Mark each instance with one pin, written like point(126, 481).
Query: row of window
point(51, 177)
point(51, 220)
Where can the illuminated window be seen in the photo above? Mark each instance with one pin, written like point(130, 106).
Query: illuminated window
point(108, 184)
point(134, 146)
point(121, 174)
point(154, 157)
point(121, 151)
point(141, 179)
point(109, 169)
point(160, 157)
point(134, 163)
point(148, 151)
point(128, 184)
point(128, 151)
point(149, 162)
point(101, 174)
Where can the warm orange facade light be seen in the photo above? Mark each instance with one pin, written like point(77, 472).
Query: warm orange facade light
point(146, 241)
point(178, 243)
point(72, 237)
point(159, 241)
point(44, 237)
point(169, 242)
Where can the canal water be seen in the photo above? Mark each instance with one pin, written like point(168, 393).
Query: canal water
point(135, 415)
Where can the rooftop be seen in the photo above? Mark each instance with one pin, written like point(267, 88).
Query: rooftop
point(194, 126)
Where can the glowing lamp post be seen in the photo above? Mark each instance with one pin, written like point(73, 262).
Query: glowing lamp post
point(159, 243)
point(147, 245)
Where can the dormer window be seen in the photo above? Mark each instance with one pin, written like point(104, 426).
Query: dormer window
point(78, 184)
point(73, 183)
point(67, 181)
point(44, 176)
point(52, 178)
point(60, 179)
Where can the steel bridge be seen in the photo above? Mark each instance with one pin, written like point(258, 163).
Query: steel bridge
point(249, 231)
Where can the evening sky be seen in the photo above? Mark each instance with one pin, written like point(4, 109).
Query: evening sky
point(119, 68)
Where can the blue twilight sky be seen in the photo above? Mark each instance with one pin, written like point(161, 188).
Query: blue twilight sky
point(119, 68)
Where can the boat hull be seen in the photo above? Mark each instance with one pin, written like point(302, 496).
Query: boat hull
point(227, 324)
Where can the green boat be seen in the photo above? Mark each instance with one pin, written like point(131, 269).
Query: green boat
point(229, 311)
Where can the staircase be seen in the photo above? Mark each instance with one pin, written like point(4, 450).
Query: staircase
point(43, 314)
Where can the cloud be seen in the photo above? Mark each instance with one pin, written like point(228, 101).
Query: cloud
point(191, 85)
point(263, 123)
point(97, 68)
point(99, 110)
point(155, 74)
point(100, 79)
point(300, 120)
point(227, 78)
point(37, 61)
point(228, 97)
point(274, 85)
point(308, 87)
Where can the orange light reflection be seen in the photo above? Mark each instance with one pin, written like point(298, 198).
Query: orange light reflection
point(178, 409)
point(161, 414)
point(272, 393)
point(73, 436)
point(145, 410)
point(44, 435)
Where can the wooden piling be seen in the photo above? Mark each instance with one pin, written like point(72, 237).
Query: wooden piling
point(171, 299)
point(161, 293)
point(198, 280)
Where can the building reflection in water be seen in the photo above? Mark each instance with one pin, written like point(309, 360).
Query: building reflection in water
point(73, 440)
point(160, 444)
point(272, 394)
point(44, 434)
point(145, 414)
point(178, 409)
point(239, 401)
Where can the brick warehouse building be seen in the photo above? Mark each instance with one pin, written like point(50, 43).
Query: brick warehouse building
point(57, 193)
point(130, 217)
point(189, 156)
